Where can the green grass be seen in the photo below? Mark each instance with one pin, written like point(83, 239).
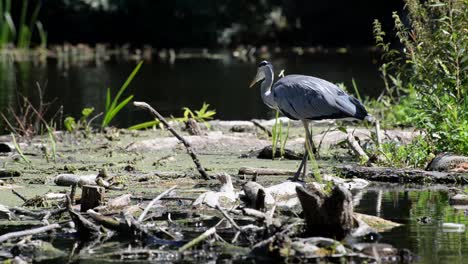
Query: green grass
point(23, 32)
point(113, 106)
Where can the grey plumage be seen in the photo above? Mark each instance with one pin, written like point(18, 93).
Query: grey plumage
point(307, 98)
point(304, 97)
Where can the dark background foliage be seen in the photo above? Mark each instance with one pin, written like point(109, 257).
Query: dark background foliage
point(215, 23)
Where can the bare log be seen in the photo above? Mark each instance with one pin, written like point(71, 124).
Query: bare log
point(264, 171)
point(385, 174)
point(29, 232)
point(67, 179)
point(329, 216)
point(187, 145)
point(92, 196)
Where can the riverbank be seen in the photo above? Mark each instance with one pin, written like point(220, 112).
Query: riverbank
point(147, 163)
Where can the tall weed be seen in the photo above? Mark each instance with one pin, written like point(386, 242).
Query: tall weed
point(427, 77)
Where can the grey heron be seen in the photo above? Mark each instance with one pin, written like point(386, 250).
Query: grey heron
point(306, 98)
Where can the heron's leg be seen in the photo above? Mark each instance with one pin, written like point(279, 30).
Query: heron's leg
point(304, 161)
point(309, 138)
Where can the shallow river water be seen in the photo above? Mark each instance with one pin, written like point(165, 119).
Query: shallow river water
point(431, 242)
point(222, 82)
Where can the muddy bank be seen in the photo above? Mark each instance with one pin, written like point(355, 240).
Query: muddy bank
point(121, 171)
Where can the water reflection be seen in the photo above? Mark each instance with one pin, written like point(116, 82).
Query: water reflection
point(169, 87)
point(428, 240)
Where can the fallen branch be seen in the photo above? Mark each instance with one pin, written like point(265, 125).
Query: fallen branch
point(262, 127)
point(187, 145)
point(354, 145)
point(29, 232)
point(233, 223)
point(19, 195)
point(198, 239)
point(148, 207)
point(38, 214)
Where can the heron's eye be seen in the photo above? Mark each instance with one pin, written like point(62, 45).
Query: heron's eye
point(263, 63)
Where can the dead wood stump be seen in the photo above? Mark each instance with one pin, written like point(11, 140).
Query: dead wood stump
point(193, 128)
point(92, 196)
point(327, 215)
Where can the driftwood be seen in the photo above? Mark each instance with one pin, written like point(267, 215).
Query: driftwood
point(329, 216)
point(254, 195)
point(85, 228)
point(225, 197)
point(67, 179)
point(119, 202)
point(402, 175)
point(356, 148)
point(29, 232)
point(265, 171)
point(92, 196)
point(187, 145)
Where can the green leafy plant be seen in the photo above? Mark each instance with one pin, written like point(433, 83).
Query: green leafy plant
point(145, 125)
point(278, 137)
point(18, 149)
point(427, 79)
point(83, 124)
point(202, 115)
point(70, 124)
point(415, 154)
point(113, 106)
point(53, 144)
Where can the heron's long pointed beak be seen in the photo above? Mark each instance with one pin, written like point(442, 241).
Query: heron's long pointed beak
point(254, 81)
point(260, 76)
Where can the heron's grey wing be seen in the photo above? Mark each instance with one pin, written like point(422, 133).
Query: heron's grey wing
point(306, 97)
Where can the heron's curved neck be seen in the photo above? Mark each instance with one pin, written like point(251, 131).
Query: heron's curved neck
point(267, 95)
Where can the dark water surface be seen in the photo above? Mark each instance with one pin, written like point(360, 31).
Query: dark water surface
point(223, 83)
point(431, 242)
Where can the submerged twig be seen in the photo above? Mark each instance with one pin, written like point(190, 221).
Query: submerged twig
point(29, 232)
point(187, 145)
point(148, 207)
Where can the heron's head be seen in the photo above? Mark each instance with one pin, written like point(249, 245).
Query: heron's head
point(262, 68)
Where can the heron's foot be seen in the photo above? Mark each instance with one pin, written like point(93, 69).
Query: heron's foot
point(298, 173)
point(296, 179)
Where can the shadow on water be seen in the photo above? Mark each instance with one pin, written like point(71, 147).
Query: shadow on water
point(223, 83)
point(429, 240)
